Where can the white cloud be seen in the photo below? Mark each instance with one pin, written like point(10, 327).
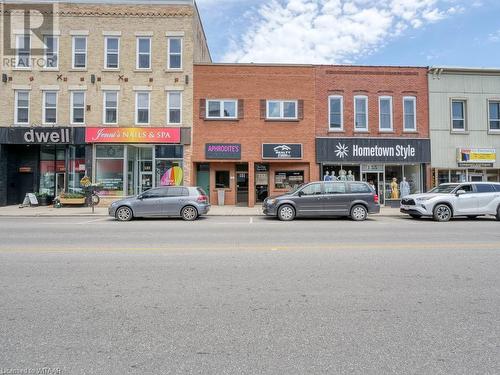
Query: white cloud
point(494, 37)
point(331, 31)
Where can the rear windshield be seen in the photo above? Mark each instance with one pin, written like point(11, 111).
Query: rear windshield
point(443, 189)
point(201, 191)
point(359, 187)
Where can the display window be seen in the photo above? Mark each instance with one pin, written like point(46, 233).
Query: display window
point(52, 170)
point(222, 179)
point(109, 169)
point(288, 179)
point(341, 173)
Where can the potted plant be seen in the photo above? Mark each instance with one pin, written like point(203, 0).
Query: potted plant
point(43, 199)
point(71, 198)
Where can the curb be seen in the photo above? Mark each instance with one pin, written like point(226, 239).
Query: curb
point(102, 216)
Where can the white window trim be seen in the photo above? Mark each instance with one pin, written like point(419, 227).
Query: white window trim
point(282, 109)
point(341, 113)
point(168, 52)
point(46, 67)
point(168, 107)
point(365, 129)
point(221, 109)
point(17, 66)
point(73, 38)
point(464, 101)
point(391, 129)
point(44, 107)
point(414, 100)
point(137, 108)
point(490, 130)
point(16, 120)
point(104, 106)
point(137, 52)
point(72, 94)
point(106, 52)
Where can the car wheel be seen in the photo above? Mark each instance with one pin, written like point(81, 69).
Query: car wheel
point(189, 213)
point(286, 213)
point(124, 213)
point(442, 212)
point(359, 213)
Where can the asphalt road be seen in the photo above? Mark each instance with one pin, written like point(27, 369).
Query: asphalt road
point(250, 295)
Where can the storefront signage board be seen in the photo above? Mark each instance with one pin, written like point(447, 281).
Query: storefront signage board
point(40, 135)
point(223, 151)
point(476, 155)
point(373, 150)
point(281, 151)
point(132, 135)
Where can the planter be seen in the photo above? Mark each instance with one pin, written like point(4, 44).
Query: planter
point(72, 201)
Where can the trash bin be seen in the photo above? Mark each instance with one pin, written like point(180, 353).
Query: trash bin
point(221, 193)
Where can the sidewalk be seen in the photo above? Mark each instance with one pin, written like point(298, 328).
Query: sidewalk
point(49, 211)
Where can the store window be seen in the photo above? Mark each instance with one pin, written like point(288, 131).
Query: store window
point(443, 177)
point(222, 179)
point(288, 179)
point(393, 177)
point(52, 169)
point(361, 113)
point(76, 168)
point(109, 169)
point(169, 165)
point(413, 177)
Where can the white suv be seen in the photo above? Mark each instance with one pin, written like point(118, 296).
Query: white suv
point(470, 199)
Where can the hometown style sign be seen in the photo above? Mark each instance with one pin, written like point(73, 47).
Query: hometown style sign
point(377, 150)
point(223, 151)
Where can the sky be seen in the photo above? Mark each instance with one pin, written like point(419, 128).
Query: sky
point(462, 33)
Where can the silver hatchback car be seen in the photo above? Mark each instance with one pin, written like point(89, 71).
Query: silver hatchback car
point(177, 201)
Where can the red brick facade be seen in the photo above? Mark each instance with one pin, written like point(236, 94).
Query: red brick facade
point(252, 85)
point(372, 81)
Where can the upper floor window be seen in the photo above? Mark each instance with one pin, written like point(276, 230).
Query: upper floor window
point(335, 110)
point(51, 51)
point(227, 109)
point(494, 115)
point(458, 115)
point(281, 109)
point(385, 113)
point(79, 52)
point(110, 112)
point(49, 107)
point(174, 107)
point(174, 53)
point(112, 52)
point(77, 106)
point(23, 49)
point(409, 113)
point(144, 53)
point(142, 108)
point(360, 113)
point(22, 107)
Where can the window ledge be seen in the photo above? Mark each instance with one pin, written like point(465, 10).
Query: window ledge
point(410, 131)
point(336, 131)
point(222, 119)
point(49, 70)
point(494, 132)
point(459, 132)
point(362, 131)
point(111, 70)
point(17, 69)
point(78, 70)
point(174, 70)
point(281, 120)
point(143, 70)
point(386, 131)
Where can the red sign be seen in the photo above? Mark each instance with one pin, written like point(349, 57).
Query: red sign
point(132, 135)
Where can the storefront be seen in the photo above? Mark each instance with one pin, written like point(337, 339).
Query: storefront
point(278, 169)
point(41, 160)
point(395, 166)
point(129, 161)
point(472, 164)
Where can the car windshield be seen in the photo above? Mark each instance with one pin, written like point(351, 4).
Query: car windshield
point(445, 189)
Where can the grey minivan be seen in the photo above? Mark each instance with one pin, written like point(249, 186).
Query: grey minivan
point(354, 199)
point(186, 202)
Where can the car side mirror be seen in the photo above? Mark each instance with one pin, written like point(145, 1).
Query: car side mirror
point(460, 192)
point(140, 197)
point(300, 193)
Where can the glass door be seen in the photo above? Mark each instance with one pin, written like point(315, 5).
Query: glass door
point(376, 180)
point(145, 168)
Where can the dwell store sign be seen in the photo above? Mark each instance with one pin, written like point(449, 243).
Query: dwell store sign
point(132, 135)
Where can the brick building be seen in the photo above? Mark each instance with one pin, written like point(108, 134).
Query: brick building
point(253, 130)
point(110, 96)
point(372, 124)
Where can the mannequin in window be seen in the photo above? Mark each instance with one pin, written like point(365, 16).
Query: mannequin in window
point(334, 178)
point(394, 188)
point(404, 187)
point(327, 176)
point(342, 175)
point(350, 176)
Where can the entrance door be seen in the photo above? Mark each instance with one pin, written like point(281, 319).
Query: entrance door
point(60, 183)
point(146, 181)
point(377, 178)
point(475, 177)
point(242, 188)
point(203, 177)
